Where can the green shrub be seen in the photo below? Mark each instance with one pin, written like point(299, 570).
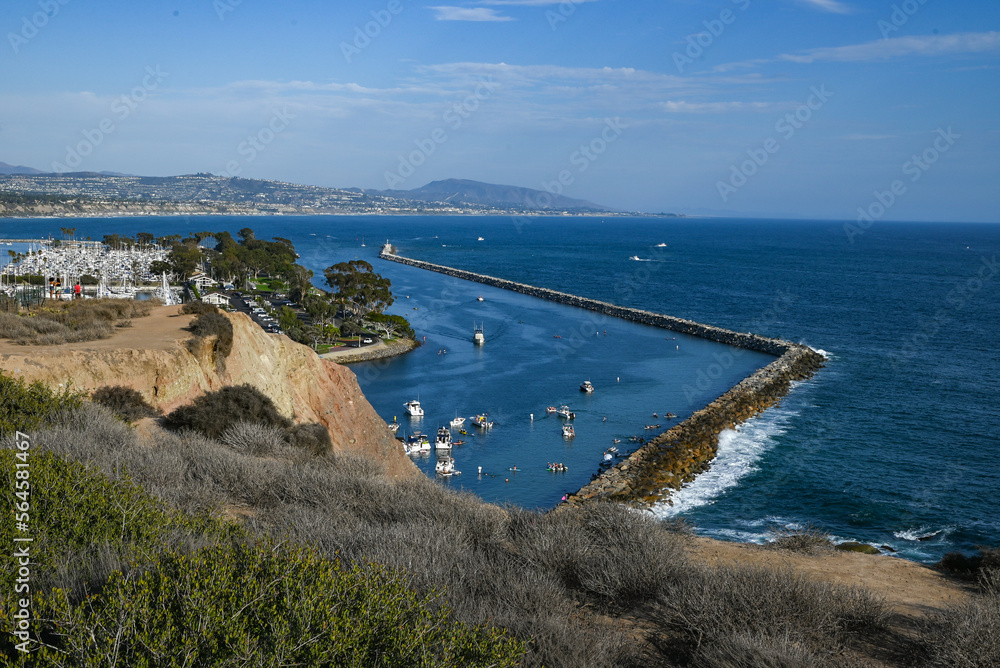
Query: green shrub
point(807, 540)
point(125, 402)
point(214, 412)
point(198, 307)
point(266, 605)
point(26, 407)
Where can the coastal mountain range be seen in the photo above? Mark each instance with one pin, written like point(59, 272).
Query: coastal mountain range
point(92, 192)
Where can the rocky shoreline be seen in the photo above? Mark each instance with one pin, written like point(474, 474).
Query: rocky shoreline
point(398, 347)
point(668, 461)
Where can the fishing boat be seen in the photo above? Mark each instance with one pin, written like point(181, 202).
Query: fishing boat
point(443, 439)
point(568, 431)
point(477, 335)
point(565, 412)
point(457, 421)
point(446, 467)
point(413, 408)
point(586, 386)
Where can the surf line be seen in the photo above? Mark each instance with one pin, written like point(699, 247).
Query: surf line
point(663, 464)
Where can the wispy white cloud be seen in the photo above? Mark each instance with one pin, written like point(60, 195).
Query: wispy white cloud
point(901, 47)
point(445, 13)
point(831, 6)
point(682, 107)
point(957, 44)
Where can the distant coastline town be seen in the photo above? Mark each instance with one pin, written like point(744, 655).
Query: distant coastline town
point(88, 194)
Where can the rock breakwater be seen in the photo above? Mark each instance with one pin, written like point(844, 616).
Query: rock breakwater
point(668, 461)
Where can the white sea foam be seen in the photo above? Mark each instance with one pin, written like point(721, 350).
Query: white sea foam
point(920, 533)
point(739, 452)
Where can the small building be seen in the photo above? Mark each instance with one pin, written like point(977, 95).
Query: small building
point(216, 298)
point(202, 281)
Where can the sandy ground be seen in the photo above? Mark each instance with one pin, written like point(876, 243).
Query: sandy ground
point(160, 330)
point(912, 589)
point(348, 351)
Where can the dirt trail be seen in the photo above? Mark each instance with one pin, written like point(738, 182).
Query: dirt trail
point(912, 589)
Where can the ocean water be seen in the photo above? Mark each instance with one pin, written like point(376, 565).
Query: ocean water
point(894, 443)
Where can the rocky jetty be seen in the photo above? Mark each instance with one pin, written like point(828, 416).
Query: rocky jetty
point(675, 457)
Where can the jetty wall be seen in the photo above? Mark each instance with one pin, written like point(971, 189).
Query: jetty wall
point(364, 355)
point(664, 463)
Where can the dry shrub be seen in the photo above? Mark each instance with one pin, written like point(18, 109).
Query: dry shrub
point(71, 322)
point(198, 307)
point(125, 402)
point(214, 412)
point(254, 438)
point(714, 605)
point(311, 437)
point(967, 635)
point(807, 540)
point(217, 325)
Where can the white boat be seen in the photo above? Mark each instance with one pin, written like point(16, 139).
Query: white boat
point(568, 431)
point(457, 421)
point(443, 439)
point(635, 257)
point(482, 421)
point(586, 386)
point(480, 239)
point(417, 443)
point(413, 408)
point(477, 336)
point(480, 298)
point(362, 242)
point(565, 412)
point(661, 245)
point(394, 427)
point(446, 467)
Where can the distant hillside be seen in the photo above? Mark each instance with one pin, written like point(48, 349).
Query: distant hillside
point(464, 191)
point(18, 169)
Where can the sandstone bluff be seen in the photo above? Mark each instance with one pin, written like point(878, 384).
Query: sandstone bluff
point(153, 357)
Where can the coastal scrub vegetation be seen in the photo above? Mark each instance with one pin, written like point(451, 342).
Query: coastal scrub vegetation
point(72, 321)
point(212, 324)
point(596, 586)
point(125, 402)
point(24, 407)
point(213, 413)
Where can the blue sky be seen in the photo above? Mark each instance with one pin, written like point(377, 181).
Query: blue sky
point(803, 108)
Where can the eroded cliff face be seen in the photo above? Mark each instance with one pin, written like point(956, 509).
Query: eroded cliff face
point(153, 358)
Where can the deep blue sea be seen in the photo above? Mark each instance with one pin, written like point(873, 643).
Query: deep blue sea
point(894, 443)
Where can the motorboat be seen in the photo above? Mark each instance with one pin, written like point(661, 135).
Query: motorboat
point(416, 443)
point(565, 412)
point(457, 421)
point(480, 239)
point(635, 257)
point(568, 431)
point(413, 408)
point(443, 439)
point(586, 386)
point(394, 427)
point(661, 245)
point(477, 336)
point(550, 409)
point(480, 420)
point(480, 298)
point(446, 467)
